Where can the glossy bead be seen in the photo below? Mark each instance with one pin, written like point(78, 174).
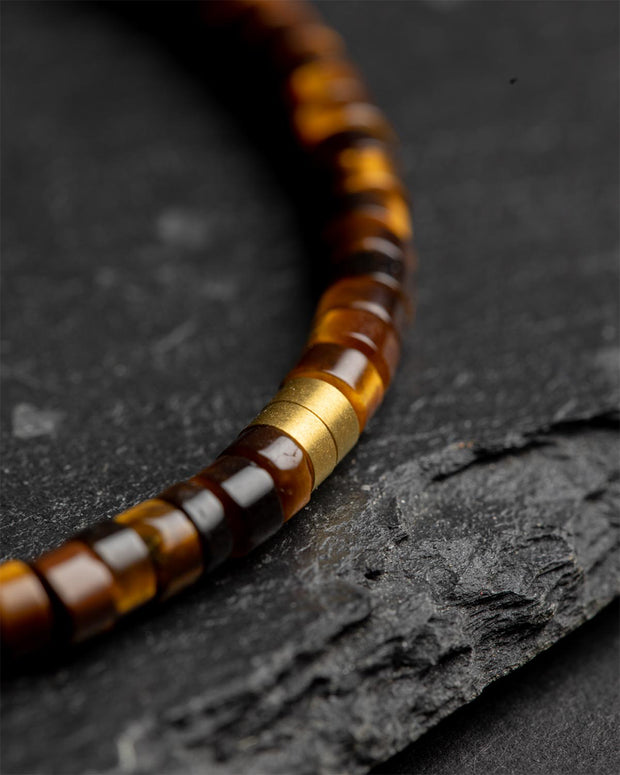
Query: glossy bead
point(285, 460)
point(376, 258)
point(83, 588)
point(366, 167)
point(345, 231)
point(250, 498)
point(207, 512)
point(322, 81)
point(315, 123)
point(348, 369)
point(363, 292)
point(363, 331)
point(26, 617)
point(173, 542)
point(127, 556)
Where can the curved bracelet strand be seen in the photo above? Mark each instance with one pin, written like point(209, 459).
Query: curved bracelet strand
point(164, 544)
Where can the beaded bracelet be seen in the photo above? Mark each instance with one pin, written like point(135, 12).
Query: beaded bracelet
point(162, 545)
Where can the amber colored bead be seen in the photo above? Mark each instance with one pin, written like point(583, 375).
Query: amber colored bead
point(263, 17)
point(250, 497)
point(323, 81)
point(365, 292)
point(285, 460)
point(125, 553)
point(376, 258)
point(315, 123)
point(366, 168)
point(345, 232)
point(208, 514)
point(363, 331)
point(348, 369)
point(83, 588)
point(26, 617)
point(173, 542)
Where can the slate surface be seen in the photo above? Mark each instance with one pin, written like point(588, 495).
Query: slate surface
point(157, 287)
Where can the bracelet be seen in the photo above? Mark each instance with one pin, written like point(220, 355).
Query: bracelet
point(267, 474)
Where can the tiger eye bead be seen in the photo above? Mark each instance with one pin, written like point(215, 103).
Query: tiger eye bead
point(331, 81)
point(375, 258)
point(285, 460)
point(127, 556)
point(250, 498)
point(345, 232)
point(316, 123)
point(363, 331)
point(173, 542)
point(83, 589)
point(365, 292)
point(349, 370)
point(264, 17)
point(366, 167)
point(208, 514)
point(26, 617)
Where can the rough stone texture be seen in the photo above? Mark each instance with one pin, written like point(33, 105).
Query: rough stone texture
point(155, 293)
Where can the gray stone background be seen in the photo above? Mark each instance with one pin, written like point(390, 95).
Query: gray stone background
point(158, 282)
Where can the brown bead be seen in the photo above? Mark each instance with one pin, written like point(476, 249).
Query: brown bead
point(173, 542)
point(331, 81)
point(370, 294)
point(250, 497)
point(208, 514)
point(375, 257)
point(363, 331)
point(264, 17)
point(348, 369)
point(126, 554)
point(285, 460)
point(345, 232)
point(83, 588)
point(366, 167)
point(315, 123)
point(26, 618)
point(295, 46)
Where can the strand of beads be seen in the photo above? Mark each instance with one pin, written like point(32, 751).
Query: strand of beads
point(267, 474)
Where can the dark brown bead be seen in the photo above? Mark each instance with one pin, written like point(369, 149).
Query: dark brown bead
point(26, 616)
point(345, 232)
point(293, 46)
point(83, 588)
point(378, 258)
point(250, 496)
point(348, 369)
point(363, 292)
point(207, 512)
point(285, 460)
point(125, 553)
point(363, 331)
point(173, 542)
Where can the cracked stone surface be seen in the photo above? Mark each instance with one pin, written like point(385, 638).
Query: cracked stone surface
point(157, 286)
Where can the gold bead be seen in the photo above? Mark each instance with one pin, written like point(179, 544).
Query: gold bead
point(318, 417)
point(328, 403)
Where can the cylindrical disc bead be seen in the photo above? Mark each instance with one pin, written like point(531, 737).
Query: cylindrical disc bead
point(173, 542)
point(325, 81)
point(363, 331)
point(375, 257)
point(208, 514)
point(315, 123)
point(383, 300)
point(82, 587)
point(347, 369)
point(26, 615)
point(284, 458)
point(127, 556)
point(250, 497)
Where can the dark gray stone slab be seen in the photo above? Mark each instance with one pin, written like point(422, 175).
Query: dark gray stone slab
point(155, 293)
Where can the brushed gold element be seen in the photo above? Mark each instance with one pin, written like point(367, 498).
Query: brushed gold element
point(328, 403)
point(320, 419)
